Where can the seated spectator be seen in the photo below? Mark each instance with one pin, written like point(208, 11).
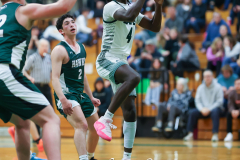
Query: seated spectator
point(236, 10)
point(224, 32)
point(98, 12)
point(197, 17)
point(103, 94)
point(146, 34)
point(51, 32)
point(108, 86)
point(160, 42)
point(215, 54)
point(209, 103)
point(226, 80)
point(158, 80)
point(171, 48)
point(183, 10)
point(187, 59)
point(33, 44)
point(213, 30)
point(232, 53)
point(233, 109)
point(84, 34)
point(176, 105)
point(174, 21)
point(217, 3)
point(136, 59)
point(147, 56)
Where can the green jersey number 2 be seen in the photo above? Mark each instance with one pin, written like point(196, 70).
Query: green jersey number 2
point(129, 36)
point(3, 19)
point(80, 74)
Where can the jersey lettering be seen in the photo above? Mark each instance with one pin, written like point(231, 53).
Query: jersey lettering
point(78, 62)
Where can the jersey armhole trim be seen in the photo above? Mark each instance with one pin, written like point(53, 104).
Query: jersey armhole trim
point(109, 21)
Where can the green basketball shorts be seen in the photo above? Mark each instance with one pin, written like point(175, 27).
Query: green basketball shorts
point(18, 95)
point(81, 100)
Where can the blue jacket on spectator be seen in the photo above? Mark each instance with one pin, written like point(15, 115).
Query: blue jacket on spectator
point(227, 82)
point(213, 31)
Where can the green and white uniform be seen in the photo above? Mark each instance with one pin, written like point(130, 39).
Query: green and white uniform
point(17, 94)
point(72, 81)
point(117, 42)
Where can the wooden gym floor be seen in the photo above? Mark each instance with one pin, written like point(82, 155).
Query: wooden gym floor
point(144, 148)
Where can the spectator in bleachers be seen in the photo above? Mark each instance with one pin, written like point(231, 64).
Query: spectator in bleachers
point(226, 80)
point(146, 34)
point(176, 105)
point(232, 51)
point(183, 10)
point(98, 12)
point(136, 59)
point(108, 86)
point(197, 17)
point(84, 34)
point(233, 108)
point(148, 55)
point(187, 59)
point(215, 54)
point(209, 103)
point(213, 30)
point(33, 44)
point(171, 48)
point(174, 21)
point(236, 10)
point(224, 32)
point(158, 81)
point(160, 42)
point(103, 94)
point(51, 32)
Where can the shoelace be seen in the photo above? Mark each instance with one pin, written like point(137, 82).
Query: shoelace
point(112, 126)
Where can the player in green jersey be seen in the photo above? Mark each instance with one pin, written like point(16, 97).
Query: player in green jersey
point(20, 100)
point(69, 81)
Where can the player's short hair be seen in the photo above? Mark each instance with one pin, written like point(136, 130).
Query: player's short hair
point(4, 1)
point(61, 19)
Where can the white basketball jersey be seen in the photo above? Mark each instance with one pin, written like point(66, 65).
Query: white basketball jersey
point(117, 35)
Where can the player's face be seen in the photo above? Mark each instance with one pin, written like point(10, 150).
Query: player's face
point(69, 27)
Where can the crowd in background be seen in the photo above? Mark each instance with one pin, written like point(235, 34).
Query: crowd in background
point(170, 49)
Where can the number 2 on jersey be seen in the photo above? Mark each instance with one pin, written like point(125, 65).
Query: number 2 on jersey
point(3, 19)
point(80, 74)
point(129, 36)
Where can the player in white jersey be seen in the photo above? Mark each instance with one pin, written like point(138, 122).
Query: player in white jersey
point(118, 31)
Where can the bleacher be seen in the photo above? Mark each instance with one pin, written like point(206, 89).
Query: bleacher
point(204, 125)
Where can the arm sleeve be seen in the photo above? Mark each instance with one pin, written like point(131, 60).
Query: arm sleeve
point(139, 18)
point(218, 100)
point(29, 63)
point(109, 11)
point(198, 102)
point(209, 54)
point(235, 51)
point(230, 102)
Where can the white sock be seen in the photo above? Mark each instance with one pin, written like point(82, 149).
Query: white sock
point(129, 131)
point(108, 114)
point(83, 157)
point(127, 155)
point(159, 123)
point(90, 155)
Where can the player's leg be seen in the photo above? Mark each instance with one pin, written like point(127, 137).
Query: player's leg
point(50, 124)
point(129, 80)
point(130, 125)
point(36, 137)
point(79, 123)
point(93, 137)
point(22, 137)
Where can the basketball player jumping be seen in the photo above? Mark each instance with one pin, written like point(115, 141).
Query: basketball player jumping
point(119, 20)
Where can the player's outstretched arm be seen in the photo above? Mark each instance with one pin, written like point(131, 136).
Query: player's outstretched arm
point(130, 14)
point(155, 23)
point(37, 11)
point(57, 56)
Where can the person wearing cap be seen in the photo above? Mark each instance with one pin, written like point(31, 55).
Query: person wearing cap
point(148, 55)
point(103, 94)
